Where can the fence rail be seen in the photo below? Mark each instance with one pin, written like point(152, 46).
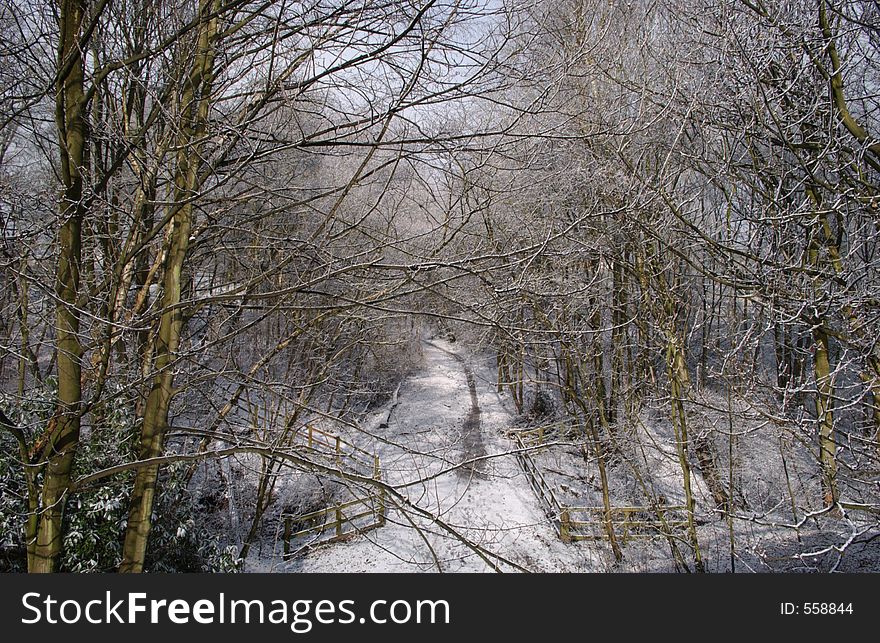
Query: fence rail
point(338, 448)
point(524, 441)
point(573, 523)
point(629, 523)
point(337, 521)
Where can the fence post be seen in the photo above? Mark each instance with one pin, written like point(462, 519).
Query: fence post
point(338, 521)
point(311, 438)
point(565, 526)
point(377, 476)
point(288, 527)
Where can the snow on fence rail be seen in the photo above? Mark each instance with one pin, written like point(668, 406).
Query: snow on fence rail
point(574, 523)
point(337, 521)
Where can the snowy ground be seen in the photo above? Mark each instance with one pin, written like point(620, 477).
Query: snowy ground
point(438, 425)
point(466, 506)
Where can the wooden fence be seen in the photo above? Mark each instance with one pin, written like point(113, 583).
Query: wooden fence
point(629, 523)
point(344, 454)
point(340, 520)
point(524, 441)
point(336, 522)
point(573, 523)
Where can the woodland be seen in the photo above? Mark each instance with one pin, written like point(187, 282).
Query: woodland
point(450, 285)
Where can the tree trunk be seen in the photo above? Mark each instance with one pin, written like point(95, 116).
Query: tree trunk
point(678, 385)
point(825, 418)
point(195, 103)
point(62, 436)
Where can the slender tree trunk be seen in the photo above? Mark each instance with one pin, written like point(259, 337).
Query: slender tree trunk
point(678, 386)
point(260, 504)
point(598, 447)
point(825, 418)
point(195, 104)
point(155, 419)
point(822, 253)
point(44, 537)
point(500, 358)
point(618, 341)
point(27, 359)
point(606, 493)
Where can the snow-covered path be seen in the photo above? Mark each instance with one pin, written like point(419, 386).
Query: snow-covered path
point(447, 414)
